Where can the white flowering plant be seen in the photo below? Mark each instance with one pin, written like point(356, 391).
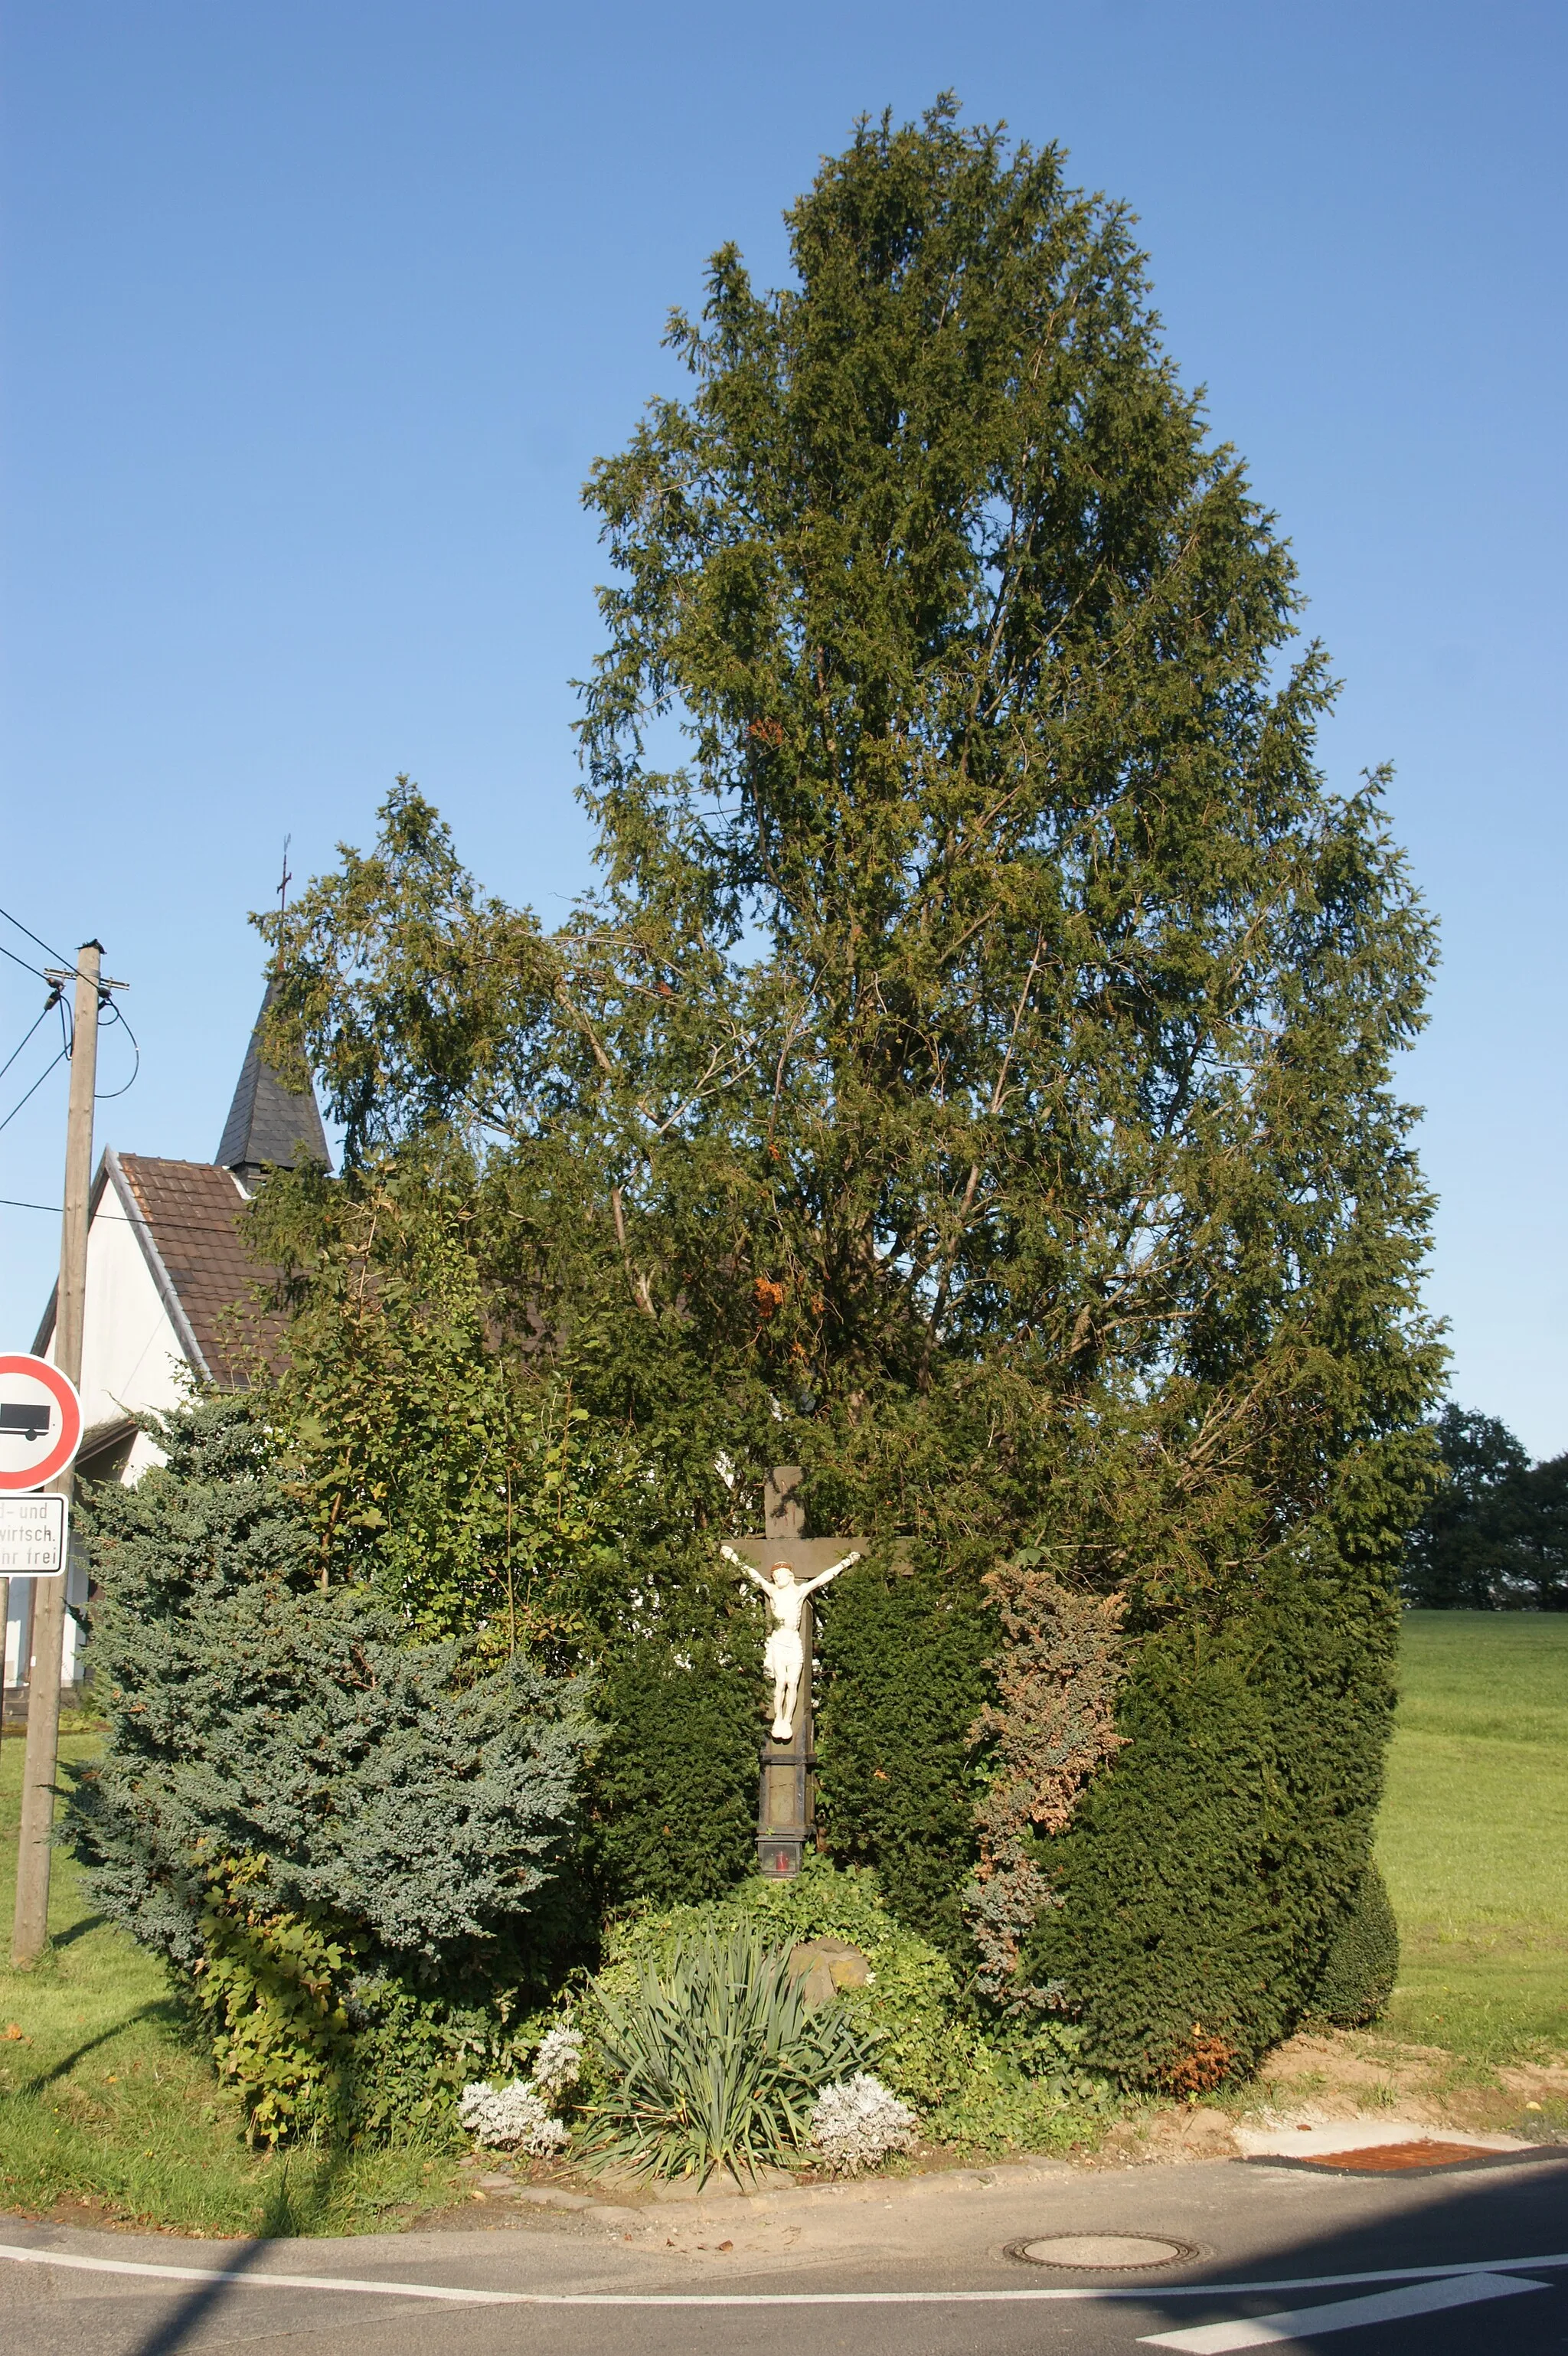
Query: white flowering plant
point(558, 2063)
point(858, 2121)
point(514, 2117)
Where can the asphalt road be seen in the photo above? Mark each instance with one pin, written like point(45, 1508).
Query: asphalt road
point(1475, 2261)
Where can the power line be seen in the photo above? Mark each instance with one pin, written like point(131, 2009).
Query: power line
point(22, 961)
point(37, 1084)
point(159, 1221)
point(38, 942)
point(107, 1096)
point(107, 1003)
point(15, 1051)
point(73, 972)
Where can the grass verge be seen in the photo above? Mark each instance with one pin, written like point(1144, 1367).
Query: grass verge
point(108, 2112)
point(1473, 1839)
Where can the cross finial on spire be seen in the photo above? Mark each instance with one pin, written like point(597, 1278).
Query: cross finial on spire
point(283, 883)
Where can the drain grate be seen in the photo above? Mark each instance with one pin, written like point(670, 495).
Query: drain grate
point(1388, 2158)
point(1103, 2252)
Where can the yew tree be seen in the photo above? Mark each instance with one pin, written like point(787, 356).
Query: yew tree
point(972, 1079)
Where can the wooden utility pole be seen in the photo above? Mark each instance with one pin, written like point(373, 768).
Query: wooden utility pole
point(30, 1931)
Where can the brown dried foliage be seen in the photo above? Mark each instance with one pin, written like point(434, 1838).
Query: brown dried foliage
point(1053, 1723)
point(1204, 2064)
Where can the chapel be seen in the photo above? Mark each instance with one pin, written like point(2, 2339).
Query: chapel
point(168, 1268)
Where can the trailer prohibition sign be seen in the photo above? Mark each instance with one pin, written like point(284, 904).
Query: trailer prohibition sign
point(40, 1422)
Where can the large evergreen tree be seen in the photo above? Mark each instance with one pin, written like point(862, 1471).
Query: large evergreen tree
point(972, 1080)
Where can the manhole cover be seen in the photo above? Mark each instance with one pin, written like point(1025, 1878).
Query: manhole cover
point(1103, 2252)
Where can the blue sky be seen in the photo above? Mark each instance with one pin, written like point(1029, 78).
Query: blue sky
point(316, 313)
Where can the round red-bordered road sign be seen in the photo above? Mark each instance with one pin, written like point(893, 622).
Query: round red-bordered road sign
point(40, 1421)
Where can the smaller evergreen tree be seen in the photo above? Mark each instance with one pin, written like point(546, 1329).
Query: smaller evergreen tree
point(309, 1817)
point(905, 1654)
point(673, 1802)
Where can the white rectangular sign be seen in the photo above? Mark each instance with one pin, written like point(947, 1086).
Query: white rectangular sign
point(32, 1537)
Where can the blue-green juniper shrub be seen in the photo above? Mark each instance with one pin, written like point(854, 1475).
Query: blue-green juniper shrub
point(296, 1803)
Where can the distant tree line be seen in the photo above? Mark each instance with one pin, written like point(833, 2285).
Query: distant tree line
point(1495, 1535)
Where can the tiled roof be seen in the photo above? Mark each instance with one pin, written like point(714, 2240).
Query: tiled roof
point(193, 1214)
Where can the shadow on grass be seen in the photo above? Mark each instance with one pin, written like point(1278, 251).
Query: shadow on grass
point(79, 1930)
point(294, 2209)
point(289, 2211)
point(63, 2067)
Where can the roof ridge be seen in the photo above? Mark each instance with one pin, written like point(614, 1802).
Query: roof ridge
point(139, 1215)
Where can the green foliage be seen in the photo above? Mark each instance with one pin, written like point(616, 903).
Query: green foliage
point(447, 1460)
point(294, 1802)
point(436, 1462)
point(912, 2006)
point(271, 1988)
point(972, 1081)
point(903, 1659)
point(1026, 2091)
point(714, 2058)
point(1537, 1572)
point(1494, 1537)
point(1363, 1960)
point(413, 2051)
point(673, 1791)
point(1206, 1876)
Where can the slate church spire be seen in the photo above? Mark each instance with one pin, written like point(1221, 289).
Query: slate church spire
point(273, 1119)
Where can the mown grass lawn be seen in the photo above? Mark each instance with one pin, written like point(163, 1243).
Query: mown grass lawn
point(1473, 1839)
point(104, 2100)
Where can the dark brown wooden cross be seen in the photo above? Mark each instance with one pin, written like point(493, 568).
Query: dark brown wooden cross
point(787, 1802)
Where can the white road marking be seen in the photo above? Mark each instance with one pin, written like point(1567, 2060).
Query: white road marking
point(1344, 2314)
point(244, 2277)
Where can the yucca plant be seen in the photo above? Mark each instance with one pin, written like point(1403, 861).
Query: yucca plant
point(715, 2059)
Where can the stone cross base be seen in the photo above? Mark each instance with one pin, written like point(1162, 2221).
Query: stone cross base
point(786, 1805)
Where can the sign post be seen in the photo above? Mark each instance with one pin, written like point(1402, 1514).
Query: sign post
point(29, 1933)
point(40, 1432)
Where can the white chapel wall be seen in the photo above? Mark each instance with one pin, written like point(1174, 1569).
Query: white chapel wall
point(130, 1360)
point(131, 1356)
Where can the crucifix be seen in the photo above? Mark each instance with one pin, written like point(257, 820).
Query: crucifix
point(789, 1570)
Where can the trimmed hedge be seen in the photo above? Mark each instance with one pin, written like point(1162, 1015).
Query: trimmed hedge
point(904, 1657)
point(673, 1793)
point(1210, 1870)
point(1363, 1960)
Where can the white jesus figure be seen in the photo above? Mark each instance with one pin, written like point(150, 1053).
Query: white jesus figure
point(783, 1657)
